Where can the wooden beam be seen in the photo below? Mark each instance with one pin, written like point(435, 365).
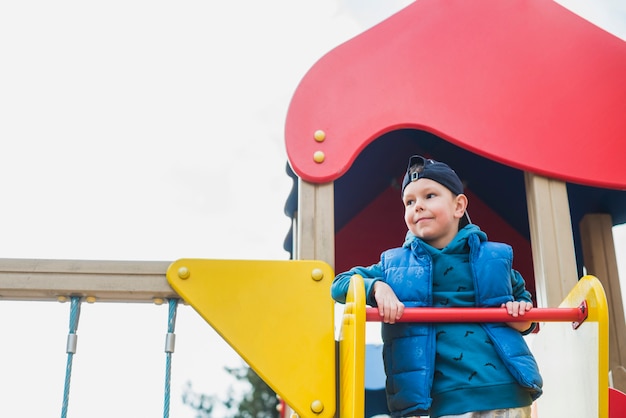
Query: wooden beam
point(108, 281)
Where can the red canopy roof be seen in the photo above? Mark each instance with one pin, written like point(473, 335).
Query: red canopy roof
point(526, 83)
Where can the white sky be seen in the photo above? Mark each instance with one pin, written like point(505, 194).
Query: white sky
point(152, 130)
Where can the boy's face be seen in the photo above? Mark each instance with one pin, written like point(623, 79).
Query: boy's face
point(432, 212)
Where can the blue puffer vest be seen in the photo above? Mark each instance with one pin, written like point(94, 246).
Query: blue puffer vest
point(409, 348)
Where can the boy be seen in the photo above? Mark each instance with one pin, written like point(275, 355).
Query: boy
point(448, 369)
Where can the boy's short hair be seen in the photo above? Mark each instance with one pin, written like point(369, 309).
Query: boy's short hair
point(425, 168)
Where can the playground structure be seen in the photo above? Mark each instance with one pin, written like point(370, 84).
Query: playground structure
point(300, 365)
point(342, 131)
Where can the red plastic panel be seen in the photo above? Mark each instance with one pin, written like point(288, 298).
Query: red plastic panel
point(617, 403)
point(526, 83)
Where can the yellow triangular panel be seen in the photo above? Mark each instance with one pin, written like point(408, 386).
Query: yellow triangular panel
point(278, 315)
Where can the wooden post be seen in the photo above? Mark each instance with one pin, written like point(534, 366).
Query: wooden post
point(316, 222)
point(551, 238)
point(314, 230)
point(600, 260)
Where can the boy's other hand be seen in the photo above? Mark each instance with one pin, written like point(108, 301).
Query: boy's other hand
point(516, 309)
point(389, 306)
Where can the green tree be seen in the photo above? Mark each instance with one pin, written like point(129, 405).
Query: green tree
point(259, 401)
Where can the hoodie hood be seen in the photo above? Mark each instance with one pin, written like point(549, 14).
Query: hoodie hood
point(459, 240)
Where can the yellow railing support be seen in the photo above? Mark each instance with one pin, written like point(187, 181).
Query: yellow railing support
point(574, 363)
point(352, 352)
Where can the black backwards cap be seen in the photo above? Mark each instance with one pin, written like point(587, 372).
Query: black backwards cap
point(425, 168)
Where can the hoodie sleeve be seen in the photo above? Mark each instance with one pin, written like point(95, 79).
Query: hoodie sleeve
point(521, 294)
point(519, 287)
point(371, 274)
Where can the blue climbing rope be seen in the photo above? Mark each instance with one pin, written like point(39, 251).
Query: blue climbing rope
point(72, 339)
point(170, 340)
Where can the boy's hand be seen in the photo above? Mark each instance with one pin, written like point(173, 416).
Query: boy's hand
point(516, 309)
point(389, 306)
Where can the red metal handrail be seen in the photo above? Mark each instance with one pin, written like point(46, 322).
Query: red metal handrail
point(428, 314)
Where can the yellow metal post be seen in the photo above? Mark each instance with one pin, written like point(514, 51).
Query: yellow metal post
point(352, 352)
point(574, 363)
point(590, 289)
